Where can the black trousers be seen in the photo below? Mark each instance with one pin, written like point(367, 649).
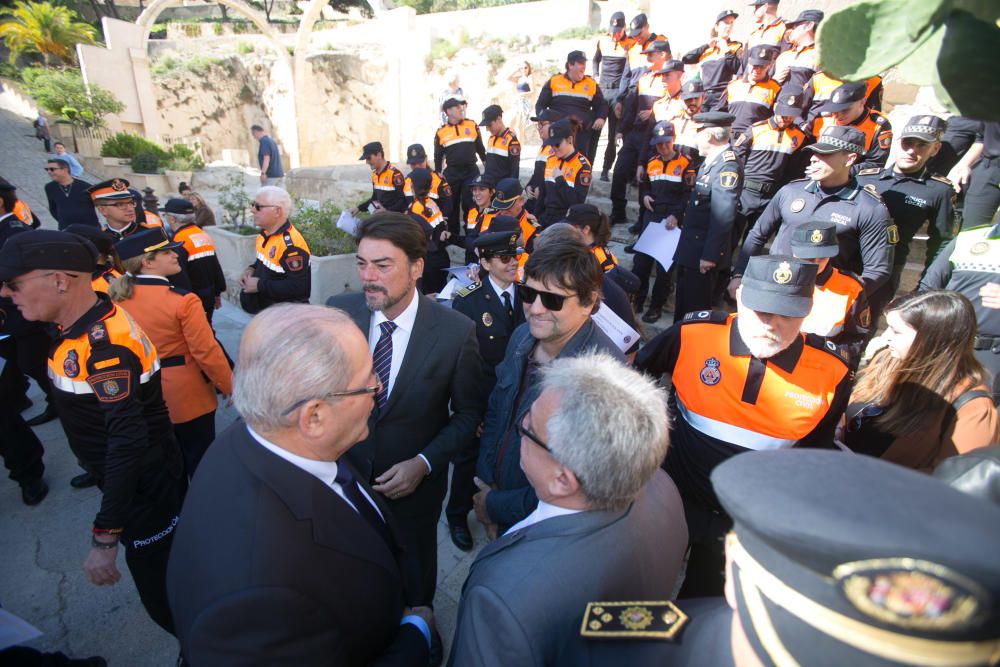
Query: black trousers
point(19, 446)
point(611, 150)
point(705, 574)
point(434, 277)
point(462, 486)
point(586, 143)
point(194, 437)
point(642, 267)
point(982, 197)
point(149, 571)
point(694, 291)
point(628, 161)
point(30, 357)
point(461, 202)
point(418, 535)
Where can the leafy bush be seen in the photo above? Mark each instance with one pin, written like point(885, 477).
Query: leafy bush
point(495, 57)
point(199, 64)
point(318, 225)
point(244, 48)
point(63, 94)
point(126, 145)
point(580, 32)
point(235, 201)
point(146, 162)
point(184, 158)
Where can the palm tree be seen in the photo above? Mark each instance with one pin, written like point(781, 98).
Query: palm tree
point(41, 27)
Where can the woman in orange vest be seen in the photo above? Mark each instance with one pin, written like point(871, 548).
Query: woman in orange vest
point(482, 194)
point(596, 230)
point(923, 396)
point(193, 364)
point(108, 267)
point(425, 212)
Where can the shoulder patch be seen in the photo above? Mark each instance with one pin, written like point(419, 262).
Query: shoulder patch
point(741, 139)
point(711, 316)
point(112, 386)
point(821, 343)
point(638, 619)
point(468, 289)
point(870, 171)
point(870, 189)
point(729, 156)
point(942, 179)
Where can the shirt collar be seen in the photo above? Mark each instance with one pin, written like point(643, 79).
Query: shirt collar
point(280, 230)
point(149, 279)
point(324, 471)
point(405, 319)
point(785, 360)
point(123, 231)
point(824, 275)
point(99, 311)
point(847, 193)
point(919, 176)
point(542, 512)
point(500, 292)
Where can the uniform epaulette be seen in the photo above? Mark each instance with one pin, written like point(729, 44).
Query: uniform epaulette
point(870, 189)
point(818, 342)
point(871, 171)
point(179, 290)
point(468, 289)
point(637, 619)
point(942, 179)
point(729, 156)
point(712, 316)
point(879, 118)
point(852, 275)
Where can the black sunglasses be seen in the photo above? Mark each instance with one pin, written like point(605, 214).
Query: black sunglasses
point(550, 300)
point(260, 207)
point(523, 431)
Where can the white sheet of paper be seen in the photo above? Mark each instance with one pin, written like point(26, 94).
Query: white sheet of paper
point(659, 243)
point(348, 223)
point(460, 274)
point(14, 630)
point(448, 291)
point(615, 327)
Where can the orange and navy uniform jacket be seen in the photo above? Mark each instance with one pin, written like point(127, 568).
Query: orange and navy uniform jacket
point(282, 266)
point(608, 64)
point(458, 145)
point(604, 257)
point(772, 34)
point(668, 107)
point(840, 310)
point(440, 192)
point(766, 152)
point(192, 363)
point(570, 186)
point(668, 181)
point(717, 68)
point(503, 157)
point(685, 133)
point(878, 138)
point(23, 213)
point(821, 88)
point(801, 63)
point(726, 401)
point(199, 258)
point(528, 228)
point(148, 218)
point(474, 222)
point(582, 100)
point(636, 63)
point(750, 102)
point(537, 179)
point(129, 229)
point(649, 90)
point(102, 277)
point(426, 214)
point(387, 189)
point(105, 376)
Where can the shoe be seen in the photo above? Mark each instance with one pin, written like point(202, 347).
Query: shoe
point(84, 481)
point(652, 315)
point(34, 492)
point(634, 229)
point(630, 248)
point(604, 176)
point(460, 535)
point(44, 417)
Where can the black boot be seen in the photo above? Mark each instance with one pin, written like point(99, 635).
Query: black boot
point(84, 481)
point(34, 491)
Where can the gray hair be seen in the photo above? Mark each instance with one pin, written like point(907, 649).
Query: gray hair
point(719, 134)
point(289, 353)
point(560, 231)
point(183, 218)
point(278, 197)
point(610, 428)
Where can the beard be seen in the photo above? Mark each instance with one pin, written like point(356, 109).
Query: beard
point(378, 297)
point(761, 344)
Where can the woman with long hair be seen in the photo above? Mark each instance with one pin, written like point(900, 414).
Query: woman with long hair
point(567, 173)
point(425, 212)
point(923, 397)
point(192, 361)
point(203, 216)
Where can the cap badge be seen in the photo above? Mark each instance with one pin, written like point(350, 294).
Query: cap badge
point(797, 205)
point(911, 593)
point(791, 99)
point(762, 54)
point(710, 374)
point(926, 120)
point(816, 237)
point(783, 274)
point(118, 185)
point(487, 320)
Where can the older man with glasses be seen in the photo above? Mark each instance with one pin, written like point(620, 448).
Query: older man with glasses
point(561, 290)
point(69, 202)
point(281, 271)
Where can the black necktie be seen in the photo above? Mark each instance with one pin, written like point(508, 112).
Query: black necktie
point(507, 306)
point(353, 492)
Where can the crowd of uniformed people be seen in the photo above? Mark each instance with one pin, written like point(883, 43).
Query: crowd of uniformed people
point(792, 331)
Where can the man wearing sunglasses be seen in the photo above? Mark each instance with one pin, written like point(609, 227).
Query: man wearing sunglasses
point(67, 196)
point(561, 290)
point(604, 514)
point(326, 550)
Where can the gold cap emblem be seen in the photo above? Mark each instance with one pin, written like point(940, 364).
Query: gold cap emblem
point(118, 185)
point(816, 237)
point(783, 274)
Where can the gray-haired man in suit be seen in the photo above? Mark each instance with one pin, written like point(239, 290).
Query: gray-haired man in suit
point(609, 523)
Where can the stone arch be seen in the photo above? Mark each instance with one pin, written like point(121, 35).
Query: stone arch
point(286, 69)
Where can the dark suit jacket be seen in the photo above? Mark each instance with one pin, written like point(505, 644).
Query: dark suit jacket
point(442, 368)
point(524, 600)
point(269, 566)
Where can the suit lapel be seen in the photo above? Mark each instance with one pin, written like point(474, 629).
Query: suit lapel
point(361, 315)
point(418, 352)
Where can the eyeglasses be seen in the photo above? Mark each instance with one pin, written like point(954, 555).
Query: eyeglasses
point(550, 300)
point(54, 168)
point(504, 259)
point(260, 207)
point(376, 388)
point(523, 431)
point(15, 285)
point(120, 205)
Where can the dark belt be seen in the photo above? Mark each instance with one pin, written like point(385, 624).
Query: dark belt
point(983, 342)
point(763, 187)
point(176, 360)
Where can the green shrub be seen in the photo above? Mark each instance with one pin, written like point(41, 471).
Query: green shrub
point(318, 225)
point(146, 162)
point(217, 28)
point(184, 158)
point(235, 202)
point(580, 32)
point(165, 66)
point(244, 48)
point(127, 145)
point(63, 93)
point(495, 57)
point(199, 64)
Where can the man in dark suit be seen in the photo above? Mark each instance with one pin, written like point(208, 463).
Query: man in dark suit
point(283, 554)
point(609, 524)
point(428, 360)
